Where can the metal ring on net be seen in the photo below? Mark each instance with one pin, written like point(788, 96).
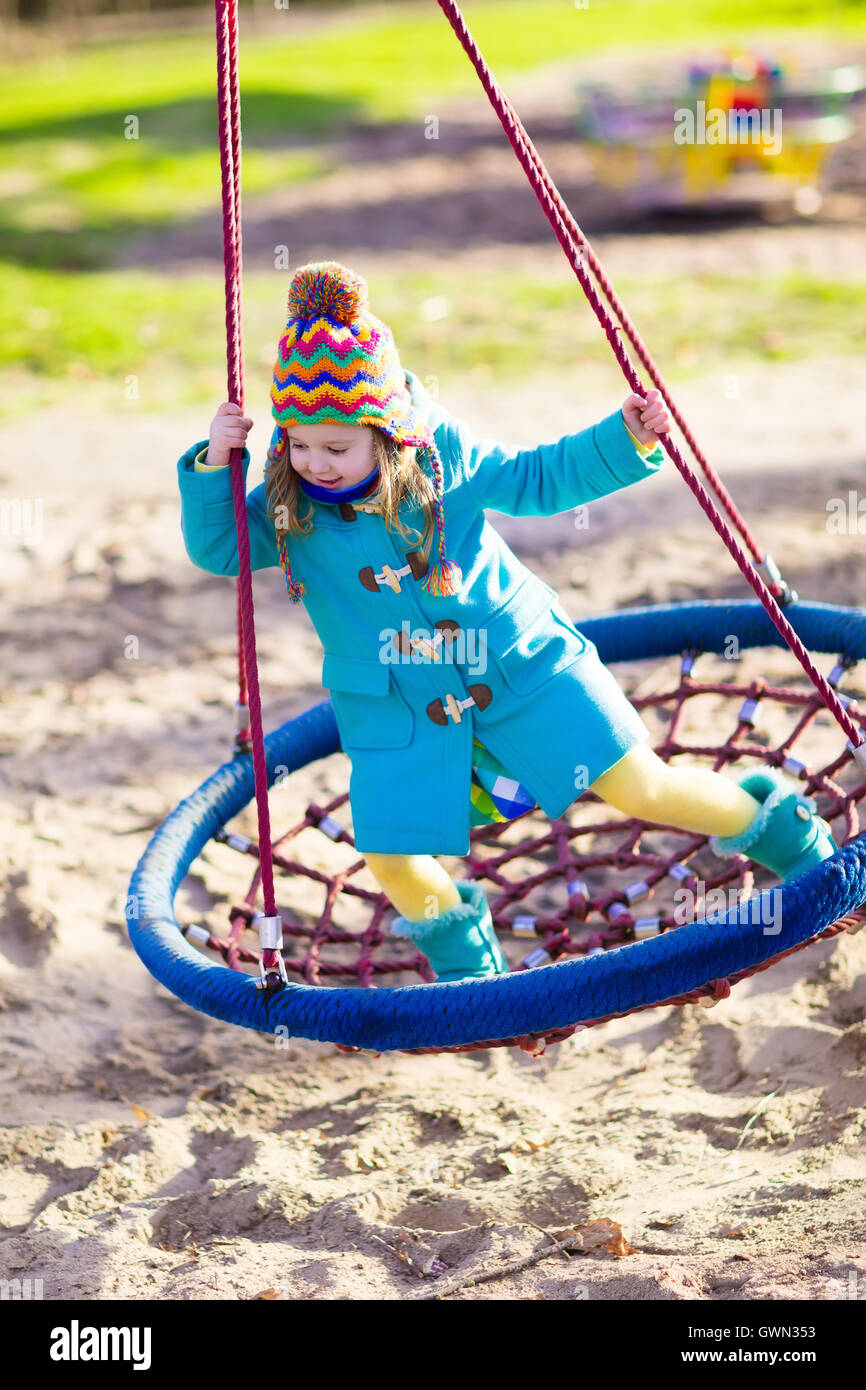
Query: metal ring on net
point(598, 954)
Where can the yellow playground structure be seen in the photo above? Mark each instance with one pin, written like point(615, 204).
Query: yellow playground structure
point(736, 128)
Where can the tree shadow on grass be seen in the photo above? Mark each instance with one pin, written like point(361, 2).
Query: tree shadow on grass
point(266, 117)
point(400, 216)
point(291, 120)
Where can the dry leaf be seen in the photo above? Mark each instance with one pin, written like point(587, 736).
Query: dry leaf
point(363, 1160)
point(528, 1144)
point(411, 1251)
point(601, 1234)
point(270, 1294)
point(139, 1112)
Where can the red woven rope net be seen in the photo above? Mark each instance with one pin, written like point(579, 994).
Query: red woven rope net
point(589, 881)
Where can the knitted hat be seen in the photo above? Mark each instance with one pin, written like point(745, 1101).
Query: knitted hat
point(337, 362)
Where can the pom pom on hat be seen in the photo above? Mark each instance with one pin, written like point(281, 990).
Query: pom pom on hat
point(328, 288)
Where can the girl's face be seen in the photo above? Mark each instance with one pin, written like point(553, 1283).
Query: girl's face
point(331, 455)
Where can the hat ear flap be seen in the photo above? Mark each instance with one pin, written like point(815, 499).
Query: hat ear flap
point(279, 442)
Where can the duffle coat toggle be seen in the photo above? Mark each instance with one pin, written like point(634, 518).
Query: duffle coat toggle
point(348, 510)
point(374, 580)
point(447, 632)
point(440, 710)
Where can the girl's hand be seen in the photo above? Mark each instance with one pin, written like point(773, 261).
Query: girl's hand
point(647, 418)
point(228, 430)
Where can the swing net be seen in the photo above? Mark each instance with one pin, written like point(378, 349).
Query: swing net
point(592, 880)
point(599, 915)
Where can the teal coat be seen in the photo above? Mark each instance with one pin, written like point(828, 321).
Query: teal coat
point(513, 669)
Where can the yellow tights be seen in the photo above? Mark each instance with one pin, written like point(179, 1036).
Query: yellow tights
point(640, 784)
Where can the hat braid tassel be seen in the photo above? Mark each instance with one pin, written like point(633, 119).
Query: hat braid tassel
point(294, 587)
point(443, 579)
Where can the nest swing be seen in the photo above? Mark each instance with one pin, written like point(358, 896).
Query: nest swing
point(599, 900)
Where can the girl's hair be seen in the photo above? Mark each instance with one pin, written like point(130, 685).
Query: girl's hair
point(401, 480)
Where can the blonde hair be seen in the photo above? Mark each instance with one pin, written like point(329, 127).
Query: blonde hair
point(401, 480)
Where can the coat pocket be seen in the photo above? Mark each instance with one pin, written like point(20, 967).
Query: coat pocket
point(532, 639)
point(370, 710)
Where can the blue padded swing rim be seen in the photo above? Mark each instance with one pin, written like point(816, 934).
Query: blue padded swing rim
point(507, 1006)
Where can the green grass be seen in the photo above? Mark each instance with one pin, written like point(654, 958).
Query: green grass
point(74, 187)
point(383, 67)
point(74, 191)
point(76, 205)
point(98, 331)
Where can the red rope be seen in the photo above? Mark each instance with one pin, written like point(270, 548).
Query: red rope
point(230, 169)
point(242, 734)
point(531, 164)
point(631, 332)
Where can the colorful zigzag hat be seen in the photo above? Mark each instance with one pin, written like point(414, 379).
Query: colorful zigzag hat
point(337, 362)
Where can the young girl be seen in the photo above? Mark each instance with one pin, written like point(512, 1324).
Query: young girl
point(462, 691)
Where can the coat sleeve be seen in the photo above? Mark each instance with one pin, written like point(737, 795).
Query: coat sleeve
point(207, 518)
point(554, 477)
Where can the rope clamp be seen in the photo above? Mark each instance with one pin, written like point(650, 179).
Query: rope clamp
point(680, 872)
point(524, 926)
point(772, 577)
point(844, 664)
point(330, 826)
point(270, 932)
point(794, 766)
point(859, 753)
point(645, 927)
point(239, 842)
point(635, 891)
point(536, 958)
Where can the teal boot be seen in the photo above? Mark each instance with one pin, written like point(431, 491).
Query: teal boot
point(461, 943)
point(786, 835)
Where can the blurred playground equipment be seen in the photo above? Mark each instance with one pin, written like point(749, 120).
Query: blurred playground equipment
point(738, 127)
